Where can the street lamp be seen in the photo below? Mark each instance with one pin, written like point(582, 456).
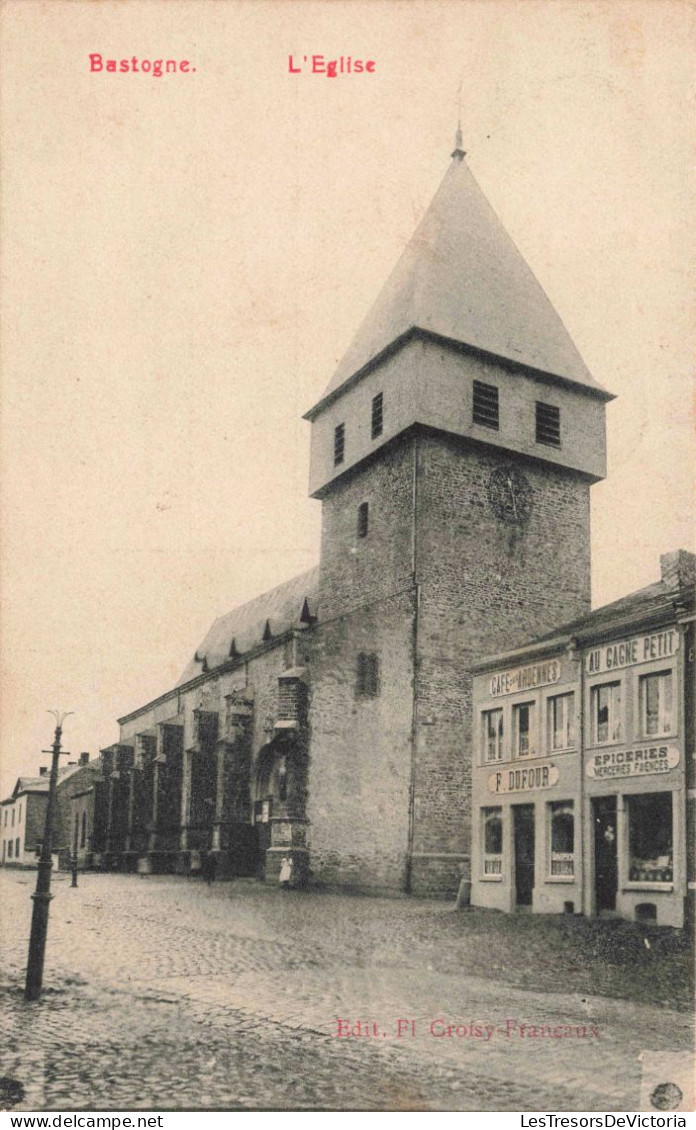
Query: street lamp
point(42, 895)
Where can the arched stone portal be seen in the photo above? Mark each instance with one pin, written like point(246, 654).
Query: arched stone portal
point(280, 793)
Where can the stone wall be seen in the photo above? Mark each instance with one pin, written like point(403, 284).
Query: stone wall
point(484, 586)
point(360, 748)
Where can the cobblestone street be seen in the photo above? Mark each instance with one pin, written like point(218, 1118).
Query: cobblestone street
point(162, 993)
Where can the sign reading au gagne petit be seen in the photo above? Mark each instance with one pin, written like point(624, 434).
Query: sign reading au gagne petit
point(638, 649)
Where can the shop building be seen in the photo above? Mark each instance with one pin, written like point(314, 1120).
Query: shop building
point(583, 783)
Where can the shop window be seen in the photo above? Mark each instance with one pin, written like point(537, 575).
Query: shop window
point(485, 410)
point(367, 675)
point(562, 838)
point(339, 443)
point(493, 841)
point(523, 729)
point(656, 704)
point(561, 708)
point(377, 415)
point(492, 735)
point(606, 713)
point(650, 838)
point(363, 519)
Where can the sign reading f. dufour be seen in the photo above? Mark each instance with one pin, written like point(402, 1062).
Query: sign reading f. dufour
point(542, 776)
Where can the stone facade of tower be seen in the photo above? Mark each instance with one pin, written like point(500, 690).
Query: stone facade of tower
point(455, 484)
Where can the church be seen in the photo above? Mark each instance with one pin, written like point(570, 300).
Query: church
point(327, 725)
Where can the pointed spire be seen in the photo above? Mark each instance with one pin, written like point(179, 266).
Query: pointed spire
point(462, 278)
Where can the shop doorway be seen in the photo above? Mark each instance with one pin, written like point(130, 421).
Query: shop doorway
point(606, 873)
point(524, 853)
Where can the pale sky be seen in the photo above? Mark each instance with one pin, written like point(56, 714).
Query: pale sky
point(186, 258)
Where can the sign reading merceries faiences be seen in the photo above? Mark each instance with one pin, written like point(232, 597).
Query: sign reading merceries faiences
point(542, 776)
point(626, 653)
point(633, 762)
point(526, 678)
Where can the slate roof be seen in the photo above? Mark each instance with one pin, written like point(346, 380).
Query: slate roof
point(461, 277)
point(635, 605)
point(40, 784)
point(280, 609)
point(654, 600)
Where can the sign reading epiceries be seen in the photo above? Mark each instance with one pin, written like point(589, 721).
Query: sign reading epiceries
point(543, 776)
point(633, 762)
point(526, 678)
point(639, 649)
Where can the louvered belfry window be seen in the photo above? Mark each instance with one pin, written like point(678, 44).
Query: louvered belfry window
point(548, 424)
point(486, 405)
point(377, 415)
point(339, 443)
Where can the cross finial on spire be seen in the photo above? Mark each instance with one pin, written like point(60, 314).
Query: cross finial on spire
point(459, 151)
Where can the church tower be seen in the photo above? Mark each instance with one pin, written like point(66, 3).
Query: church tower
point(453, 453)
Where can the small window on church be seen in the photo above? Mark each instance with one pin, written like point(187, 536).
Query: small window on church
point(363, 519)
point(339, 443)
point(377, 415)
point(368, 675)
point(485, 405)
point(548, 424)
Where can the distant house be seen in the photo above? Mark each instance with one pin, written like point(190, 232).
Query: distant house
point(22, 817)
point(23, 813)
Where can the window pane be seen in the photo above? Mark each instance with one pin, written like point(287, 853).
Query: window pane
point(493, 734)
point(562, 838)
point(492, 841)
point(524, 721)
point(650, 838)
point(606, 711)
point(656, 703)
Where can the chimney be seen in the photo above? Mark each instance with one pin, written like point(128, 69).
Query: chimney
point(678, 569)
point(84, 758)
point(43, 770)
